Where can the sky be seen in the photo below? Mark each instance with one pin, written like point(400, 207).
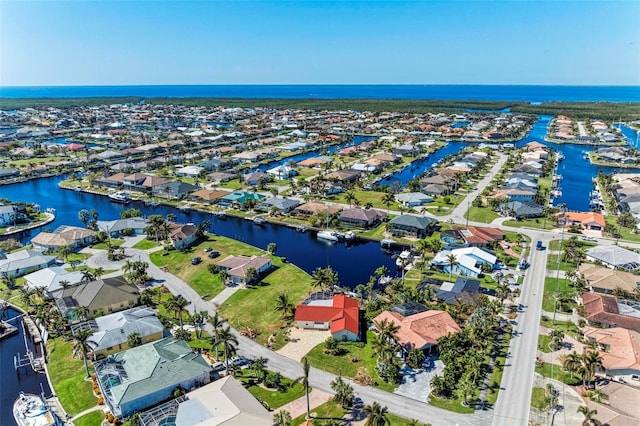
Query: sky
point(61, 43)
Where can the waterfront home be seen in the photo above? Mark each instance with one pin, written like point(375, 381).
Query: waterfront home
point(421, 330)
point(140, 377)
point(477, 236)
point(314, 207)
point(8, 215)
point(255, 178)
point(220, 177)
point(338, 313)
point(208, 195)
point(470, 261)
point(362, 218)
point(603, 310)
point(119, 227)
point(586, 220)
point(413, 199)
point(520, 193)
point(343, 177)
point(64, 236)
point(282, 172)
point(412, 225)
point(111, 332)
point(619, 349)
point(190, 171)
point(462, 291)
point(181, 235)
point(605, 280)
point(435, 189)
point(521, 210)
point(52, 279)
point(240, 198)
point(22, 262)
point(614, 257)
point(175, 190)
point(8, 172)
point(280, 204)
point(238, 267)
point(101, 296)
point(114, 181)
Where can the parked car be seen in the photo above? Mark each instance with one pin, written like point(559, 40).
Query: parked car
point(207, 249)
point(196, 260)
point(539, 246)
point(218, 366)
point(213, 254)
point(238, 361)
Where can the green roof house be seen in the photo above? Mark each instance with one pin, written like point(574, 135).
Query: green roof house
point(240, 197)
point(416, 226)
point(143, 376)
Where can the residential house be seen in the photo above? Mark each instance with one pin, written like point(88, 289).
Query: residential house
point(606, 280)
point(615, 257)
point(413, 199)
point(603, 310)
point(146, 375)
point(587, 220)
point(253, 179)
point(311, 208)
point(190, 171)
point(114, 181)
point(182, 236)
point(134, 182)
point(470, 261)
point(240, 198)
point(421, 330)
point(282, 205)
point(101, 296)
point(175, 190)
point(7, 215)
point(462, 291)
point(435, 189)
point(521, 210)
point(344, 177)
point(619, 349)
point(208, 195)
point(476, 236)
point(52, 279)
point(225, 402)
point(119, 227)
point(220, 177)
point(340, 314)
point(237, 267)
point(8, 172)
point(412, 225)
point(22, 262)
point(64, 236)
point(362, 218)
point(282, 172)
point(111, 332)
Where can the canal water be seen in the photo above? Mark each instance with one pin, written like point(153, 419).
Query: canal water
point(11, 383)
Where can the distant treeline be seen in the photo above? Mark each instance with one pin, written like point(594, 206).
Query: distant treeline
point(602, 110)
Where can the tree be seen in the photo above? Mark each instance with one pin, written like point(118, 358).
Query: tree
point(349, 197)
point(81, 312)
point(387, 199)
point(284, 306)
point(228, 341)
point(304, 380)
point(216, 322)
point(465, 389)
point(87, 276)
point(572, 362)
point(271, 248)
point(250, 274)
point(592, 362)
point(282, 418)
point(82, 346)
point(324, 278)
point(134, 339)
point(344, 392)
point(258, 368)
point(177, 305)
point(98, 272)
point(64, 252)
point(377, 415)
point(588, 414)
point(224, 276)
point(452, 262)
point(83, 216)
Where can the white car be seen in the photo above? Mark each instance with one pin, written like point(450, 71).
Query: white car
point(238, 361)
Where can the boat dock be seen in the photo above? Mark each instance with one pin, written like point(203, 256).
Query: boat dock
point(7, 330)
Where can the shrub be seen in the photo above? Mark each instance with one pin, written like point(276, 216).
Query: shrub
point(415, 358)
point(273, 380)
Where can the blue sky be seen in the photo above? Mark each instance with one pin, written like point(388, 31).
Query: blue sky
point(218, 42)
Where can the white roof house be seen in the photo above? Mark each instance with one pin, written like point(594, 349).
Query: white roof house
point(615, 257)
point(282, 172)
point(50, 279)
point(469, 259)
point(413, 198)
point(24, 261)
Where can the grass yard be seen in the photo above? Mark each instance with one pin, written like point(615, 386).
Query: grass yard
point(552, 263)
point(364, 197)
point(145, 244)
point(254, 307)
point(555, 372)
point(566, 326)
point(550, 283)
point(625, 233)
point(538, 398)
point(454, 405)
point(543, 343)
point(92, 419)
point(537, 223)
point(274, 398)
point(481, 214)
point(343, 364)
point(67, 375)
point(327, 411)
point(232, 184)
point(115, 242)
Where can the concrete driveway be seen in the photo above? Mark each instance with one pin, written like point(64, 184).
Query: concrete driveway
point(416, 384)
point(302, 341)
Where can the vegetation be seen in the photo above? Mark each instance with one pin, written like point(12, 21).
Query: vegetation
point(283, 394)
point(91, 419)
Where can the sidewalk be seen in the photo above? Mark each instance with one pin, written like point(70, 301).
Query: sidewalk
point(298, 407)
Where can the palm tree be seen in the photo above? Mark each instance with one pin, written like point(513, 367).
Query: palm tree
point(377, 415)
point(387, 199)
point(571, 362)
point(134, 340)
point(588, 414)
point(177, 305)
point(87, 276)
point(98, 272)
point(64, 252)
point(228, 341)
point(82, 345)
point(304, 380)
point(258, 368)
point(216, 322)
point(284, 306)
point(224, 276)
point(282, 418)
point(83, 215)
point(592, 362)
point(81, 312)
point(452, 261)
point(349, 197)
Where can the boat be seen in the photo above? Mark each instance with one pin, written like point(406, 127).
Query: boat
point(120, 197)
point(185, 209)
point(349, 235)
point(386, 242)
point(259, 220)
point(329, 235)
point(152, 203)
point(404, 259)
point(31, 410)
point(77, 188)
point(219, 214)
point(384, 280)
point(560, 156)
point(50, 210)
point(556, 193)
point(585, 157)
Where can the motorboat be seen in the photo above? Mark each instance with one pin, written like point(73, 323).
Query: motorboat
point(185, 209)
point(219, 214)
point(259, 220)
point(31, 410)
point(404, 259)
point(329, 235)
point(120, 197)
point(349, 235)
point(77, 188)
point(384, 280)
point(386, 242)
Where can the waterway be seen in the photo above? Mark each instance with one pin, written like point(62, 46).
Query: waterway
point(12, 383)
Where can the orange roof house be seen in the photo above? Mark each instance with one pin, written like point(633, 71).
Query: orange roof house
point(588, 220)
point(602, 309)
point(340, 314)
point(619, 349)
point(421, 330)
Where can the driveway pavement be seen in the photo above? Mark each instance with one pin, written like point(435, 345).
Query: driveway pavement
point(302, 341)
point(416, 384)
point(568, 400)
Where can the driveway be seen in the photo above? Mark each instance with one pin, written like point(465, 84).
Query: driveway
point(302, 341)
point(416, 384)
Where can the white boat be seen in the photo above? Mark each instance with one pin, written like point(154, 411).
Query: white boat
point(77, 188)
point(51, 210)
point(219, 214)
point(259, 220)
point(185, 209)
point(556, 193)
point(329, 235)
point(386, 242)
point(349, 235)
point(31, 410)
point(403, 259)
point(384, 280)
point(120, 197)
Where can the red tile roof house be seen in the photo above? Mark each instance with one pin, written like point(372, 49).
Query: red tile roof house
point(237, 266)
point(480, 236)
point(182, 236)
point(340, 314)
point(602, 310)
point(421, 330)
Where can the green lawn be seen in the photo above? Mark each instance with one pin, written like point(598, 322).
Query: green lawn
point(92, 419)
point(274, 398)
point(537, 223)
point(552, 263)
point(550, 284)
point(254, 307)
point(481, 214)
point(343, 364)
point(543, 343)
point(625, 233)
point(233, 184)
point(566, 326)
point(115, 242)
point(328, 410)
point(397, 420)
point(538, 398)
point(555, 372)
point(145, 244)
point(67, 375)
point(454, 405)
